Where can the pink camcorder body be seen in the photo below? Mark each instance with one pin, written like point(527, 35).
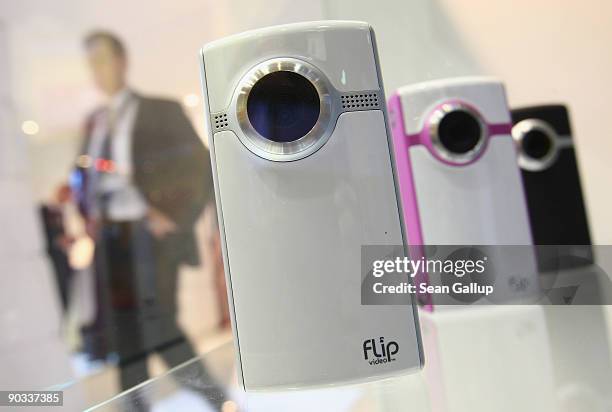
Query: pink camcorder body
point(459, 180)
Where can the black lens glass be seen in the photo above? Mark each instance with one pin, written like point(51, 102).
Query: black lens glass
point(283, 106)
point(459, 132)
point(536, 144)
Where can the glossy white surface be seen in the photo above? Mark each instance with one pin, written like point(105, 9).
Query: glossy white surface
point(294, 232)
point(479, 204)
point(342, 50)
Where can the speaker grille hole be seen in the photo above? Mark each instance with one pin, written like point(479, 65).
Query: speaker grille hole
point(220, 121)
point(356, 101)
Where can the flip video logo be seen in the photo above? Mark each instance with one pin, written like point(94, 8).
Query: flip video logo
point(383, 352)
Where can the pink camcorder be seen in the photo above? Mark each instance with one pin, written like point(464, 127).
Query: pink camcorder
point(460, 183)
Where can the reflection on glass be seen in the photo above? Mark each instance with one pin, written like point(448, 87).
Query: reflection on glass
point(132, 245)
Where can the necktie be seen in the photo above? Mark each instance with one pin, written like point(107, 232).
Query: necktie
point(113, 116)
point(104, 163)
point(106, 149)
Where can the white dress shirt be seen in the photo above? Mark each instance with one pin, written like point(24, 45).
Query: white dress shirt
point(125, 202)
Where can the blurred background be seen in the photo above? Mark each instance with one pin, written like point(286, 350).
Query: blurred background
point(544, 51)
point(548, 51)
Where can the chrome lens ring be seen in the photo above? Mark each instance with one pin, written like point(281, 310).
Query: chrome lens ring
point(305, 145)
point(434, 133)
point(521, 130)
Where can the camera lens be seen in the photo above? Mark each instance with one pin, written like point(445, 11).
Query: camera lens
point(536, 144)
point(283, 106)
point(459, 132)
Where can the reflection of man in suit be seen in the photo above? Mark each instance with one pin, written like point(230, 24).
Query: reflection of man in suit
point(146, 178)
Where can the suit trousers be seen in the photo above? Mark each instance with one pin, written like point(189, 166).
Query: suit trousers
point(141, 275)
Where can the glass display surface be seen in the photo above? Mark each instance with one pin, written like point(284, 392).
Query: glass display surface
point(481, 346)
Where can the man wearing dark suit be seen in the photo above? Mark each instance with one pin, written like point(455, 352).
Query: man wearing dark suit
point(145, 178)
